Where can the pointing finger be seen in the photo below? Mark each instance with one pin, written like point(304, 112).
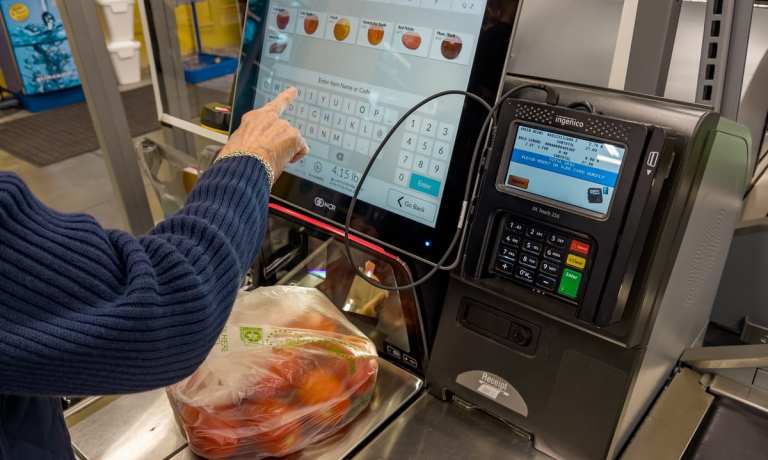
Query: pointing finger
point(281, 101)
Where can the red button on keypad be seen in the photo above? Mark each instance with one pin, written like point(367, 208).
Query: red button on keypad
point(580, 247)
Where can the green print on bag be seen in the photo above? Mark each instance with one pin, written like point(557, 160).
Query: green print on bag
point(251, 335)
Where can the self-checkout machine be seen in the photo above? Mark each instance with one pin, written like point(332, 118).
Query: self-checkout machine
point(596, 233)
point(358, 66)
point(590, 249)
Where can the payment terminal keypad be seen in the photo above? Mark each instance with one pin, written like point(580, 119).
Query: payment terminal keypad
point(546, 259)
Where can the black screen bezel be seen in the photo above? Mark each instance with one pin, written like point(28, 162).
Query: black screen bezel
point(502, 186)
point(372, 222)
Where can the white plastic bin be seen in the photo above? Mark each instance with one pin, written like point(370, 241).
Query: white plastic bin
point(119, 17)
point(126, 60)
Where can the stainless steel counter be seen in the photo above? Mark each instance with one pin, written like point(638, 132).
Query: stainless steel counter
point(430, 429)
point(132, 427)
point(142, 426)
point(433, 429)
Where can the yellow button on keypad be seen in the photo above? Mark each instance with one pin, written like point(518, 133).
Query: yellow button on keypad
point(576, 261)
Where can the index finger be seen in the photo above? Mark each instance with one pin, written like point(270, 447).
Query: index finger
point(281, 101)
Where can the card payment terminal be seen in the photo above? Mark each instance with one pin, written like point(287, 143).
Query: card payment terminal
point(595, 247)
point(572, 194)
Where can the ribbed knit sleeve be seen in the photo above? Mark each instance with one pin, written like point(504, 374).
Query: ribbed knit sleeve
point(85, 310)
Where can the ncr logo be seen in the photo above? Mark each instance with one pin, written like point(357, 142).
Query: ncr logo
point(568, 121)
point(321, 203)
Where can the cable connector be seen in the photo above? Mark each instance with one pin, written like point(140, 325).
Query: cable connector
point(553, 97)
point(463, 214)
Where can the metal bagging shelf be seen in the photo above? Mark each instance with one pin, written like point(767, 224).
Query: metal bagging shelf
point(142, 426)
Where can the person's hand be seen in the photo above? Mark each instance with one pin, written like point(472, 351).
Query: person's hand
point(264, 133)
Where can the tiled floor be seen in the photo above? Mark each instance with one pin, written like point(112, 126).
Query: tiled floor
point(79, 184)
point(82, 183)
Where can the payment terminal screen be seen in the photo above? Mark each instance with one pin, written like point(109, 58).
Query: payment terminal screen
point(576, 171)
point(359, 66)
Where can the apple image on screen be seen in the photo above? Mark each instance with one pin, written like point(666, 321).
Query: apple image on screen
point(341, 29)
point(375, 35)
point(282, 19)
point(278, 47)
point(411, 40)
point(451, 47)
point(311, 23)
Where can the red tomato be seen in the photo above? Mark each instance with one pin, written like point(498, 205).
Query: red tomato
point(193, 415)
point(279, 440)
point(333, 356)
point(291, 366)
point(269, 387)
point(341, 368)
point(314, 321)
point(190, 415)
point(273, 435)
point(364, 377)
point(264, 411)
point(213, 437)
point(331, 415)
point(320, 386)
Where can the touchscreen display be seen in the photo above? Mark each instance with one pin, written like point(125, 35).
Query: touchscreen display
point(359, 65)
point(572, 170)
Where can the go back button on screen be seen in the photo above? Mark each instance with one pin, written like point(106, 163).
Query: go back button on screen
point(410, 205)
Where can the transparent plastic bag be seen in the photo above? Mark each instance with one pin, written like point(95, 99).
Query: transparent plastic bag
point(287, 371)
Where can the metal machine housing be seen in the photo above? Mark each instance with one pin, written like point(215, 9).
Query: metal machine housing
point(582, 388)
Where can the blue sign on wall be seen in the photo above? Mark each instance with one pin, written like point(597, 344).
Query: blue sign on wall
point(43, 56)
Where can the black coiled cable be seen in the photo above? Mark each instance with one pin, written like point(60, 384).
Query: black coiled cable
point(459, 235)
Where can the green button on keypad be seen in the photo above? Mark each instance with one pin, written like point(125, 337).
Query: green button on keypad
point(570, 283)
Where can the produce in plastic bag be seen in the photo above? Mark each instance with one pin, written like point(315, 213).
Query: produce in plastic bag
point(287, 371)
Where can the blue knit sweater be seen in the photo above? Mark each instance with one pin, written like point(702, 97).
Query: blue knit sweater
point(88, 311)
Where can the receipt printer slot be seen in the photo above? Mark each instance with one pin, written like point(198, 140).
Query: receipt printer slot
point(499, 326)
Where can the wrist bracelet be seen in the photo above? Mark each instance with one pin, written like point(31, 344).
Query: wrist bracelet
point(242, 153)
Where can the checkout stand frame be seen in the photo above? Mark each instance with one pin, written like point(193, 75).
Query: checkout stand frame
point(416, 425)
point(144, 423)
